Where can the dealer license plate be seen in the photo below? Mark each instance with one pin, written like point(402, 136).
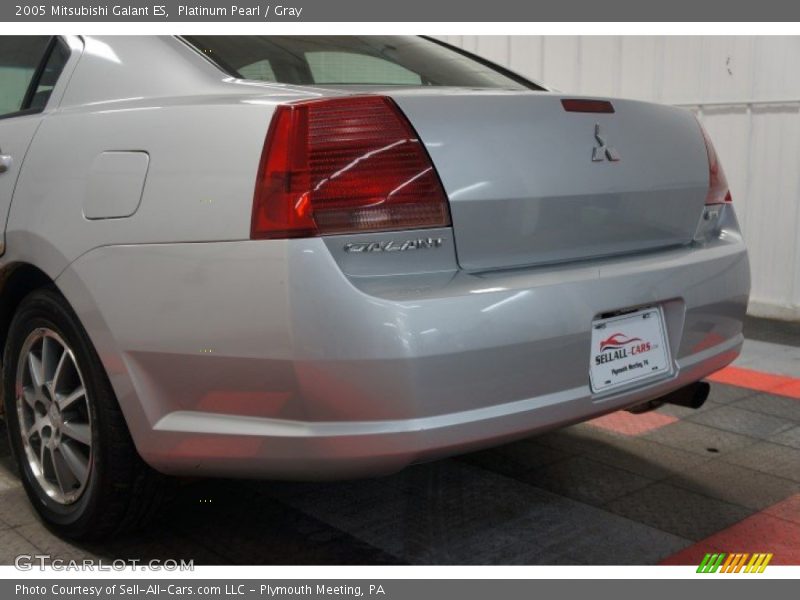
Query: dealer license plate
point(628, 348)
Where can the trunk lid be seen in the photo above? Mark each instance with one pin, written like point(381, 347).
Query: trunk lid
point(523, 186)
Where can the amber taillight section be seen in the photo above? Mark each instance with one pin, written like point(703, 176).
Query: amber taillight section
point(344, 165)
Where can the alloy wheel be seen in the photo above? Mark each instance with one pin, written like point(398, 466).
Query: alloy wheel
point(55, 419)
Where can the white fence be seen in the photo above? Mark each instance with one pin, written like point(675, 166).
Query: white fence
point(745, 89)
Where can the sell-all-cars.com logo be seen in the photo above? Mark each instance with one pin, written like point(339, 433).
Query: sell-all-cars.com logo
point(617, 340)
point(736, 562)
point(618, 346)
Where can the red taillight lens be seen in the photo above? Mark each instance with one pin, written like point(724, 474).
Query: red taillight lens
point(718, 191)
point(588, 106)
point(344, 165)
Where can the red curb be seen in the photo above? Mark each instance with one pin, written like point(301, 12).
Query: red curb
point(765, 531)
point(780, 385)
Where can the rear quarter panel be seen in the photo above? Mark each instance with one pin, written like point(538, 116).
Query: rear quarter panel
point(203, 136)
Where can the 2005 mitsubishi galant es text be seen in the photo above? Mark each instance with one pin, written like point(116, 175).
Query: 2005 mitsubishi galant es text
point(332, 257)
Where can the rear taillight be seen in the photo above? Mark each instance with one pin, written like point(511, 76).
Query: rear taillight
point(718, 191)
point(344, 165)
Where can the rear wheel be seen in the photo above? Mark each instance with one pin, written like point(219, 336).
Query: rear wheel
point(76, 458)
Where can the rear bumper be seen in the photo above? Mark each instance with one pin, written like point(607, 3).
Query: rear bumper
point(245, 446)
point(263, 359)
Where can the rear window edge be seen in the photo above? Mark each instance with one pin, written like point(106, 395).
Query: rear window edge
point(516, 77)
point(227, 69)
point(524, 81)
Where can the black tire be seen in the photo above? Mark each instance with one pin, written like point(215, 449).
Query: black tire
point(120, 493)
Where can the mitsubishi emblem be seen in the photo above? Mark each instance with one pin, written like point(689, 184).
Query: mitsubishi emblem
point(603, 151)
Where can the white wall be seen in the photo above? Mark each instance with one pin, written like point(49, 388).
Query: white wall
point(746, 91)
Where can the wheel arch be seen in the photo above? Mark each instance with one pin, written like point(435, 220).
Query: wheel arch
point(119, 492)
point(17, 280)
point(20, 278)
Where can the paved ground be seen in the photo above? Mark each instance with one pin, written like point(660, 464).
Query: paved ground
point(666, 486)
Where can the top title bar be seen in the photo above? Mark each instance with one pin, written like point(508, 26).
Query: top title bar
point(399, 11)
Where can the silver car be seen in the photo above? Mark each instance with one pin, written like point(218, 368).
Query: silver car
point(332, 257)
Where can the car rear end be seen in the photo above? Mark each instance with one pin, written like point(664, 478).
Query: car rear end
point(436, 268)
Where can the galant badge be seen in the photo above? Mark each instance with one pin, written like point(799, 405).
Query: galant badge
point(394, 246)
point(603, 151)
